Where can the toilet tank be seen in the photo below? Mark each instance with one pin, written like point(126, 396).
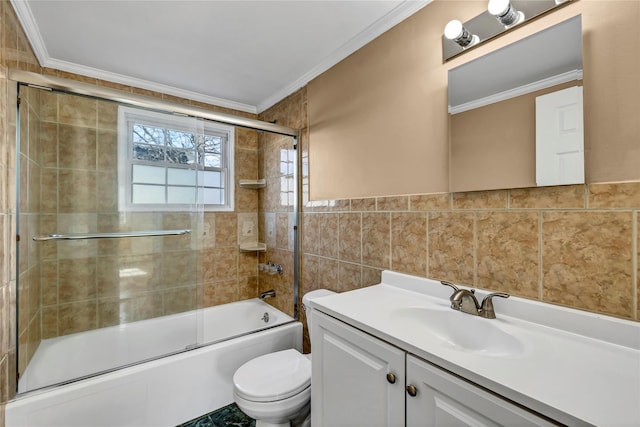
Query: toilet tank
point(305, 305)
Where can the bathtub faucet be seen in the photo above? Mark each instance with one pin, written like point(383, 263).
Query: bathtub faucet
point(268, 294)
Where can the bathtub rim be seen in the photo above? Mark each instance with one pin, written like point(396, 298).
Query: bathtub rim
point(196, 346)
point(195, 367)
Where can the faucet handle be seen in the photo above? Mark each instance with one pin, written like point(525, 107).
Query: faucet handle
point(455, 288)
point(486, 307)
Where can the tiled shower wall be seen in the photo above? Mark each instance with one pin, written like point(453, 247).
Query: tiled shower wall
point(575, 246)
point(91, 284)
point(276, 165)
point(86, 284)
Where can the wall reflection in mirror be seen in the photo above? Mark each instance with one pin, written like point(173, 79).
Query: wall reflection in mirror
point(516, 114)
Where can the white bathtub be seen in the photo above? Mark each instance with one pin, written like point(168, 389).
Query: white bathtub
point(162, 392)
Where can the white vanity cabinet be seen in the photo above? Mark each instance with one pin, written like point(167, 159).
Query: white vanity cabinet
point(359, 380)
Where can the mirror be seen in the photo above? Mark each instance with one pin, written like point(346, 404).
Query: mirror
point(492, 104)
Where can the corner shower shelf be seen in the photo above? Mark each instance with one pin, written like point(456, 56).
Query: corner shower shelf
point(253, 247)
point(253, 183)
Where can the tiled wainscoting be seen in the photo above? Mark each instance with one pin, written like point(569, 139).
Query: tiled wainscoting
point(571, 245)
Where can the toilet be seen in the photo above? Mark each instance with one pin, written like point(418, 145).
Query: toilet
point(275, 389)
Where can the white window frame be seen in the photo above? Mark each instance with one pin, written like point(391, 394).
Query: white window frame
point(128, 115)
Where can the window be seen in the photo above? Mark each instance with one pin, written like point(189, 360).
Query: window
point(170, 162)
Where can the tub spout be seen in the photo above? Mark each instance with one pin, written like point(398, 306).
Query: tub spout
point(268, 294)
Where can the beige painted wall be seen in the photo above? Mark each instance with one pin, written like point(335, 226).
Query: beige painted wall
point(388, 101)
point(377, 116)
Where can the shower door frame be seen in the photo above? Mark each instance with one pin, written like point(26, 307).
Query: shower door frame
point(45, 82)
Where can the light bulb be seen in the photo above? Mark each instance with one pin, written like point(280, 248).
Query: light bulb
point(505, 13)
point(458, 33)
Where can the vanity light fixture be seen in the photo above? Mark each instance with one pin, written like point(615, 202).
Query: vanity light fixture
point(505, 13)
point(456, 32)
point(499, 17)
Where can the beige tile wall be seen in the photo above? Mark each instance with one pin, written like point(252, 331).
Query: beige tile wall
point(83, 284)
point(577, 257)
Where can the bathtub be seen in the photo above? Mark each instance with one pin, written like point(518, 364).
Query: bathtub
point(165, 391)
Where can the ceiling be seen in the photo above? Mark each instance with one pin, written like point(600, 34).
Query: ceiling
point(245, 55)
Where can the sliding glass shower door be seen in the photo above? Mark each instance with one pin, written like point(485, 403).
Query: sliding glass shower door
point(110, 210)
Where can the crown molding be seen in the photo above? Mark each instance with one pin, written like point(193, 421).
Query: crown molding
point(23, 11)
point(390, 20)
point(148, 85)
point(518, 91)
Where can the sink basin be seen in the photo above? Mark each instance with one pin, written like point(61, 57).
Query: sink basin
point(462, 331)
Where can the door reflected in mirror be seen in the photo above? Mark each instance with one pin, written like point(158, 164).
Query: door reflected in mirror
point(495, 130)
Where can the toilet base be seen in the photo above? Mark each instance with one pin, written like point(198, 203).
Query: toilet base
point(281, 413)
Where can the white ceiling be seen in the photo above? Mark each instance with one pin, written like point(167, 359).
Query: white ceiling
point(245, 55)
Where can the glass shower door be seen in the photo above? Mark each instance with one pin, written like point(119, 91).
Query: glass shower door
point(111, 278)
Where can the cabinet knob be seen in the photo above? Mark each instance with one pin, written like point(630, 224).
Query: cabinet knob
point(412, 390)
point(391, 378)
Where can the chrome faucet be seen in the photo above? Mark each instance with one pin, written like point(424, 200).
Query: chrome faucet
point(271, 293)
point(464, 300)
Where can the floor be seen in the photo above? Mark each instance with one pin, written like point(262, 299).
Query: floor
point(229, 416)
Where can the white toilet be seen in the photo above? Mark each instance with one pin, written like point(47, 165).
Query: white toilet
point(275, 389)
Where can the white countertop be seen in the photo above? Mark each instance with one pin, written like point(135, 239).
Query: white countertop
point(575, 367)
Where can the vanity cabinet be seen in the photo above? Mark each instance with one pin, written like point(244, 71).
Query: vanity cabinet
point(357, 380)
point(360, 380)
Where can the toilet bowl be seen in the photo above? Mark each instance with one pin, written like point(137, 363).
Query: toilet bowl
point(275, 389)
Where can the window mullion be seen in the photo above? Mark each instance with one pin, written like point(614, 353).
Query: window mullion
point(166, 185)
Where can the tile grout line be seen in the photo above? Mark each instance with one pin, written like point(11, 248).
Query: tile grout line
point(635, 218)
point(540, 248)
point(361, 215)
point(338, 256)
point(475, 249)
point(390, 237)
point(427, 224)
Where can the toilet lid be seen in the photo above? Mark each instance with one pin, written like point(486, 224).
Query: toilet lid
point(274, 376)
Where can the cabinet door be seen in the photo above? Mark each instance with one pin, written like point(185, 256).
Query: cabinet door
point(349, 377)
point(445, 400)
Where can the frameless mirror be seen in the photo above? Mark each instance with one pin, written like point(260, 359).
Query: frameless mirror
point(516, 114)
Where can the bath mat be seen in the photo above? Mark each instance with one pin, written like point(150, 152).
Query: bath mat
point(228, 416)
